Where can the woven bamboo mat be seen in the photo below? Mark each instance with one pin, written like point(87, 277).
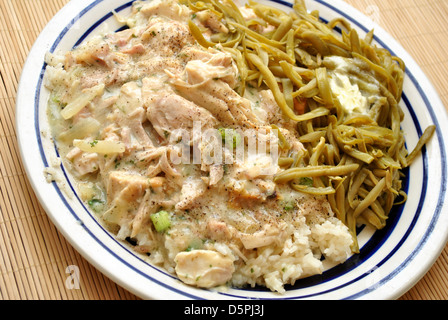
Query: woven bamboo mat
point(34, 256)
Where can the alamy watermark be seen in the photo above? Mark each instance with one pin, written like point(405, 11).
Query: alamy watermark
point(223, 146)
point(373, 279)
point(373, 13)
point(73, 280)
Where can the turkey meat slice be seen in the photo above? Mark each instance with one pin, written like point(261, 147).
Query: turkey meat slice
point(170, 112)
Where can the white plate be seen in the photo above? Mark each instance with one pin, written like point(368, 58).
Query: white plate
point(391, 261)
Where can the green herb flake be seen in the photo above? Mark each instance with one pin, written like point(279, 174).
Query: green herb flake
point(96, 205)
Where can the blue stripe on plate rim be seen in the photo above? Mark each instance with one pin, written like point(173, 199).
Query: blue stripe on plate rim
point(368, 249)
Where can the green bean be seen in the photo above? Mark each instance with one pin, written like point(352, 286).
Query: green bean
point(351, 224)
point(275, 52)
point(385, 162)
point(305, 58)
point(392, 85)
point(373, 219)
point(317, 152)
point(283, 143)
point(340, 202)
point(404, 196)
point(338, 51)
point(317, 42)
point(277, 71)
point(312, 136)
point(285, 162)
point(370, 198)
point(324, 86)
point(272, 83)
point(331, 138)
point(363, 156)
point(229, 9)
point(333, 23)
point(354, 41)
point(369, 37)
point(283, 28)
point(261, 11)
point(197, 34)
point(242, 67)
point(287, 91)
point(292, 74)
point(377, 208)
point(426, 136)
point(329, 154)
point(290, 45)
point(355, 184)
point(279, 97)
point(306, 88)
point(313, 190)
point(314, 171)
point(262, 39)
point(313, 114)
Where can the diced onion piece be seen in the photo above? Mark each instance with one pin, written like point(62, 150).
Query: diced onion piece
point(81, 129)
point(81, 101)
point(100, 146)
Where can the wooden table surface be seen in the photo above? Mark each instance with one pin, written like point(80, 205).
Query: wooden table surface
point(34, 256)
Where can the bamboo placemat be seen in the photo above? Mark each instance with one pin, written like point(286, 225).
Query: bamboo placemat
point(35, 258)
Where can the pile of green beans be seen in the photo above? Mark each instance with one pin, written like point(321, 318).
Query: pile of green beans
point(355, 159)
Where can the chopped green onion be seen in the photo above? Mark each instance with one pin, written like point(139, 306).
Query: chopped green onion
point(161, 220)
point(96, 205)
